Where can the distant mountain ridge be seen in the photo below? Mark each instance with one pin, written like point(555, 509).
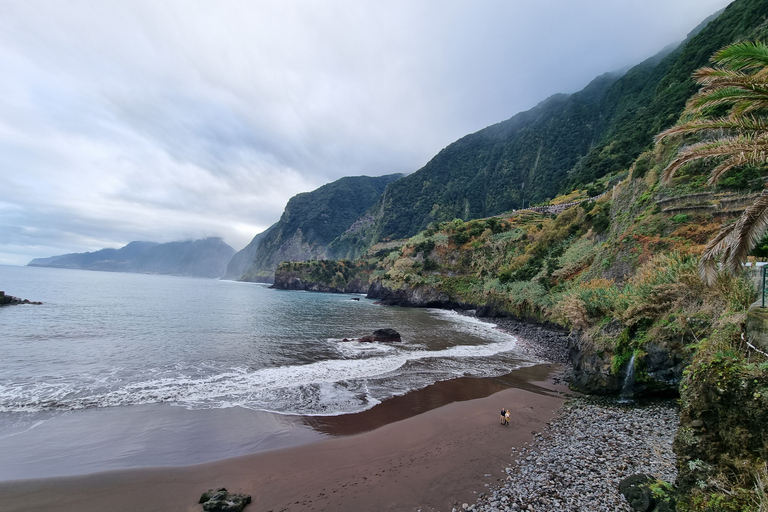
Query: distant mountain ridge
point(207, 257)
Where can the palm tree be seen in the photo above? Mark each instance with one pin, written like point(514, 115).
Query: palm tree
point(736, 86)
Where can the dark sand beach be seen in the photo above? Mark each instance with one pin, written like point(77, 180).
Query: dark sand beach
point(429, 450)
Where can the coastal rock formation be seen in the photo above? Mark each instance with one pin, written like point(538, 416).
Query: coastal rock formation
point(219, 500)
point(319, 276)
point(10, 300)
point(418, 297)
point(385, 335)
point(658, 370)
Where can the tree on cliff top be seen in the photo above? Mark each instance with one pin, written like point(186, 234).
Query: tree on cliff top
point(728, 119)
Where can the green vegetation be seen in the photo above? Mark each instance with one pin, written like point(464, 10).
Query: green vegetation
point(728, 121)
point(572, 139)
point(622, 271)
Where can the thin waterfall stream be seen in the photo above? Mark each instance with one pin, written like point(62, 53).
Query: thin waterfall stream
point(627, 390)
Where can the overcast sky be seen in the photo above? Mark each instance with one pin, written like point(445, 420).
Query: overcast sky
point(174, 120)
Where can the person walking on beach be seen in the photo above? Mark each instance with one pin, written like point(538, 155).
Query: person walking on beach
point(504, 416)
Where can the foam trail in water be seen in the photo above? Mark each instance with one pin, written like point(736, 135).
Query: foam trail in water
point(324, 387)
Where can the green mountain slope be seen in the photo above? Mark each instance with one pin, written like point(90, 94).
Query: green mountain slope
point(483, 173)
point(312, 220)
point(650, 98)
point(561, 144)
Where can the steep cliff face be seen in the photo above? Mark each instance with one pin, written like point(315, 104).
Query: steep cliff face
point(414, 296)
point(312, 221)
point(243, 258)
point(564, 142)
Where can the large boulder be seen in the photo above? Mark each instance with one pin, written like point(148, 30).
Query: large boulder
point(219, 500)
point(647, 494)
point(385, 335)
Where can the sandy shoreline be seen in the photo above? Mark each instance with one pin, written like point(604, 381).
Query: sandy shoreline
point(429, 461)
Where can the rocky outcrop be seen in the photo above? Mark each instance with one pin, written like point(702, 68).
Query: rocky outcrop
point(645, 493)
point(592, 372)
point(657, 370)
point(722, 431)
point(288, 278)
point(10, 300)
point(415, 297)
point(383, 335)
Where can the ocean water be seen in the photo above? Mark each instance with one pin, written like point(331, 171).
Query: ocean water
point(105, 342)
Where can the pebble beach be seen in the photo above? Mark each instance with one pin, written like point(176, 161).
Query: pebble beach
point(577, 461)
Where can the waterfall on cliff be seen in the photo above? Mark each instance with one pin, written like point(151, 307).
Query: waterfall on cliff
point(627, 390)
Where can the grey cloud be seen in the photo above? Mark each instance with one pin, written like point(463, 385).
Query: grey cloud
point(125, 120)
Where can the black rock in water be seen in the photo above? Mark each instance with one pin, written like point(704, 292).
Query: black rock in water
point(386, 335)
point(10, 300)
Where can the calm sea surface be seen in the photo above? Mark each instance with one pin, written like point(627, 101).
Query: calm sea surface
point(106, 341)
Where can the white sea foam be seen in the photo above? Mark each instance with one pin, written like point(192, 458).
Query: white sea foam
point(109, 339)
point(356, 349)
point(332, 386)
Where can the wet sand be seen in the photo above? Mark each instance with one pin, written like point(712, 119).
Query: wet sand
point(429, 450)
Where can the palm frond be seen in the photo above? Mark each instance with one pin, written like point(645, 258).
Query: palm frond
point(738, 80)
point(713, 249)
point(742, 124)
point(740, 150)
point(722, 169)
point(702, 150)
point(743, 55)
point(707, 74)
point(747, 232)
point(730, 94)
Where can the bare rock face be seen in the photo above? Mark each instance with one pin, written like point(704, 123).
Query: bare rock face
point(219, 500)
point(385, 335)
